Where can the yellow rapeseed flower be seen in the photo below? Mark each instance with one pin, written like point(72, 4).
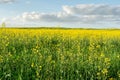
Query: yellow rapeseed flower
point(98, 73)
point(107, 60)
point(104, 71)
point(1, 58)
point(102, 55)
point(112, 79)
point(32, 65)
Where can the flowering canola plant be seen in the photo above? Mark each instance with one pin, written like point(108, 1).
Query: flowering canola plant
point(59, 54)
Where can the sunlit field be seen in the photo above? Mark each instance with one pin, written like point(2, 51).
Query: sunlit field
point(59, 54)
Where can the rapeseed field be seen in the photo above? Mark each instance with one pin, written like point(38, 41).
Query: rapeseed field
point(59, 54)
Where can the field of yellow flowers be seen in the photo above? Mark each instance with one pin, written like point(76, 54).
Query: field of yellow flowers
point(59, 54)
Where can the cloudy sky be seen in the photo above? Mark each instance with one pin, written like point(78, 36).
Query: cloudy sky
point(64, 13)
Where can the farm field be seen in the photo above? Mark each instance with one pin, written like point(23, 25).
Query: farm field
point(59, 54)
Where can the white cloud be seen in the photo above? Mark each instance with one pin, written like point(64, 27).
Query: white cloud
point(83, 13)
point(6, 1)
point(47, 17)
point(92, 9)
point(3, 20)
point(28, 2)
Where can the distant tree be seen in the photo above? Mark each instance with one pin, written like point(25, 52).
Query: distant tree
point(3, 25)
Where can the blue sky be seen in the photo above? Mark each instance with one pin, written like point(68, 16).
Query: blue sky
point(64, 13)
